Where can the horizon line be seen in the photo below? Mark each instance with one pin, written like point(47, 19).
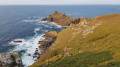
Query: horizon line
point(59, 4)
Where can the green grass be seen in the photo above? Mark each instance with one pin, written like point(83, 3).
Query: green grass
point(101, 48)
point(89, 59)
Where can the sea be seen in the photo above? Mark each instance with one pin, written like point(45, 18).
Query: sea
point(22, 22)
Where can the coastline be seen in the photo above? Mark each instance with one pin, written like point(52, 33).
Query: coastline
point(35, 53)
point(39, 46)
point(30, 46)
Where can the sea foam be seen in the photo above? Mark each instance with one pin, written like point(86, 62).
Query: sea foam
point(27, 49)
point(28, 45)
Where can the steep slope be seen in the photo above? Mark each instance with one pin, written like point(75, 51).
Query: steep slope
point(95, 42)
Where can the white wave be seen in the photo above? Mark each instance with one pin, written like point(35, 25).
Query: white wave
point(52, 23)
point(46, 30)
point(36, 29)
point(42, 21)
point(58, 26)
point(28, 21)
point(31, 20)
point(29, 45)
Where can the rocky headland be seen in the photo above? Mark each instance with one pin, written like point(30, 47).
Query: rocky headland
point(62, 19)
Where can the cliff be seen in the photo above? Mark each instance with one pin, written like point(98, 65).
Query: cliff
point(50, 37)
point(94, 42)
point(62, 19)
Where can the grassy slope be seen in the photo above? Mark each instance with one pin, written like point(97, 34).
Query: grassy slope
point(101, 48)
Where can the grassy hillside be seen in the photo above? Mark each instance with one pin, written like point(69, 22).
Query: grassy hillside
point(94, 42)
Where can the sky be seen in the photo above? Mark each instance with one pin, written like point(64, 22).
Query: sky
point(57, 2)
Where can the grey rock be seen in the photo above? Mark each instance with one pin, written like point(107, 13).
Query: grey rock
point(11, 59)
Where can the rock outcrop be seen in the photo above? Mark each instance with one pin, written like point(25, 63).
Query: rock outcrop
point(44, 45)
point(50, 37)
point(11, 59)
point(62, 19)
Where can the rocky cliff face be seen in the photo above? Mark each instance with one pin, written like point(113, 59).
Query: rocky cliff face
point(44, 45)
point(62, 19)
point(50, 37)
point(11, 59)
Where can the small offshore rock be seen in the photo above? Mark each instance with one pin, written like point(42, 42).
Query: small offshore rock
point(17, 41)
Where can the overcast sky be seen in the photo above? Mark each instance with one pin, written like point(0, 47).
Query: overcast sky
point(57, 2)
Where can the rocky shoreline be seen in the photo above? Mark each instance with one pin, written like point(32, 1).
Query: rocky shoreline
point(50, 38)
point(60, 19)
point(44, 45)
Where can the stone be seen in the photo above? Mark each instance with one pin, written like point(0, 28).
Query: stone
point(17, 41)
point(36, 54)
point(11, 59)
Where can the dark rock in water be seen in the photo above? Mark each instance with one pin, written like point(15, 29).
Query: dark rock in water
point(44, 19)
point(31, 17)
point(17, 41)
point(11, 59)
point(29, 54)
point(36, 54)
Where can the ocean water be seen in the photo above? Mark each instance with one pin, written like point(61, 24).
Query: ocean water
point(16, 24)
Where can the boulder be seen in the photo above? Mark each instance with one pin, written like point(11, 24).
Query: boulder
point(17, 41)
point(11, 59)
